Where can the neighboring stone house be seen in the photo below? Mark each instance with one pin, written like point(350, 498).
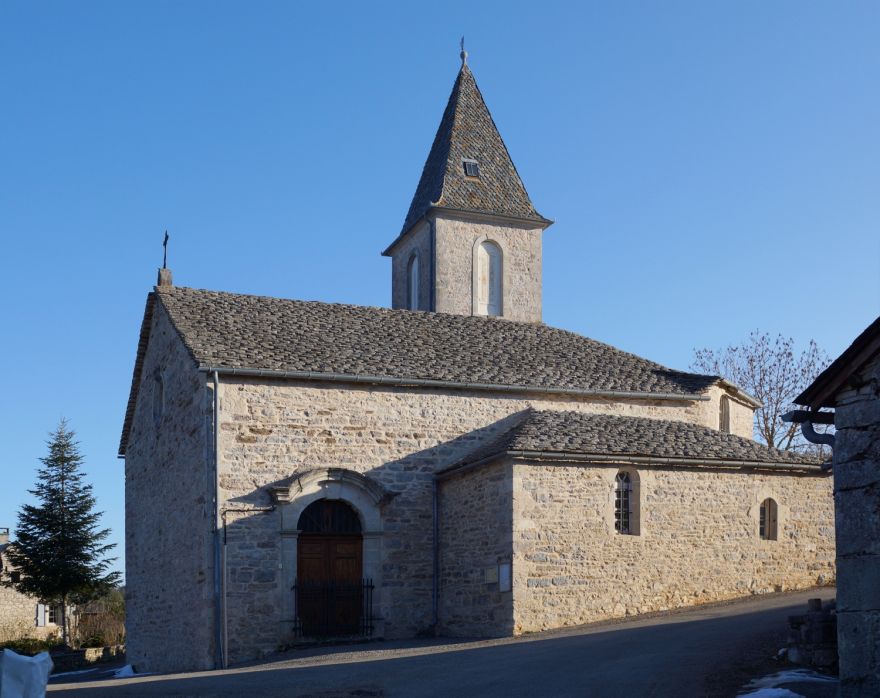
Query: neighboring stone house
point(21, 615)
point(851, 385)
point(298, 469)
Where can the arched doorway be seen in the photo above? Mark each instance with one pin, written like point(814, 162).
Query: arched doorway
point(330, 585)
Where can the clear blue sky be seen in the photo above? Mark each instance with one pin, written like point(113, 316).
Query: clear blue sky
point(711, 167)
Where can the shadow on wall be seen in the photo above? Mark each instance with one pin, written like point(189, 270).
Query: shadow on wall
point(262, 555)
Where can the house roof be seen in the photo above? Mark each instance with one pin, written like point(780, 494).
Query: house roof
point(570, 434)
point(822, 391)
point(230, 331)
point(467, 132)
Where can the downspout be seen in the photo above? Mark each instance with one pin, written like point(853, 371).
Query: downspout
point(219, 557)
point(435, 545)
point(805, 418)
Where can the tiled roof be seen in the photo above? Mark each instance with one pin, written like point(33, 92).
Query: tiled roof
point(236, 331)
point(231, 331)
point(583, 434)
point(467, 132)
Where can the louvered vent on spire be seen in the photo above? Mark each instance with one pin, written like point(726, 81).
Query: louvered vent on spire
point(468, 136)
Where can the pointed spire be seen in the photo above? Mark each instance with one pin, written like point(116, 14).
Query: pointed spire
point(467, 133)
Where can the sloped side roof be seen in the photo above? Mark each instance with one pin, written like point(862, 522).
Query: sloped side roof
point(232, 331)
point(578, 433)
point(467, 131)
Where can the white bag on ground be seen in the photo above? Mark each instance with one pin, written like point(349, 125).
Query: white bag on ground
point(24, 677)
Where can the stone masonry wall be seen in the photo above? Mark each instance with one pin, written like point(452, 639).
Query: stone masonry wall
point(698, 541)
point(397, 437)
point(475, 537)
point(417, 240)
point(857, 506)
point(168, 518)
point(521, 284)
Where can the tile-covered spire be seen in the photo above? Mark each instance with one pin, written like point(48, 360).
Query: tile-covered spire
point(467, 133)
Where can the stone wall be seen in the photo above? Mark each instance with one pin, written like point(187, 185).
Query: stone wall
point(168, 512)
point(398, 438)
point(475, 538)
point(857, 505)
point(418, 239)
point(521, 284)
point(698, 541)
point(18, 617)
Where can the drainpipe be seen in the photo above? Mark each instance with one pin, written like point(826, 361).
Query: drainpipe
point(219, 557)
point(435, 590)
point(806, 418)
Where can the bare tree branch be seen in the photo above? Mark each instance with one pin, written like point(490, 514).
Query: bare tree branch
point(769, 369)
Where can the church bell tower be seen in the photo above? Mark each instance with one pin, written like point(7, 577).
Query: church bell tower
point(471, 240)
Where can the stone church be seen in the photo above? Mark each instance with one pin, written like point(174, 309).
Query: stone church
point(449, 466)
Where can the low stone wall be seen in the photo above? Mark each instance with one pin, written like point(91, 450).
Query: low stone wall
point(83, 658)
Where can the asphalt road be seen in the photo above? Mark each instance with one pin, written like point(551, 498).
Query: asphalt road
point(668, 655)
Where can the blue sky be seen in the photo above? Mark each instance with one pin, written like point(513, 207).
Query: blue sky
point(712, 168)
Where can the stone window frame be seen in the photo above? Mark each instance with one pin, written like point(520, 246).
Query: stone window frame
point(413, 285)
point(768, 519)
point(636, 529)
point(724, 414)
point(475, 274)
point(782, 515)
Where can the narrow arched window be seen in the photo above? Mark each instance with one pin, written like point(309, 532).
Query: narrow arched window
point(489, 279)
point(412, 282)
point(724, 414)
point(623, 512)
point(767, 524)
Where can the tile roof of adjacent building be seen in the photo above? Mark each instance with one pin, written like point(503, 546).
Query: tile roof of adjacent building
point(570, 434)
point(822, 392)
point(468, 132)
point(257, 333)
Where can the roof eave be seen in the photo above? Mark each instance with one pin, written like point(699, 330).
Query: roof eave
point(482, 216)
point(821, 392)
point(625, 459)
point(402, 382)
point(740, 393)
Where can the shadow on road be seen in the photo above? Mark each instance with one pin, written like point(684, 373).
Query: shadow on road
point(664, 656)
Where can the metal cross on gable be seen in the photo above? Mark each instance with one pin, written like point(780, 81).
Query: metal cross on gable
point(165, 251)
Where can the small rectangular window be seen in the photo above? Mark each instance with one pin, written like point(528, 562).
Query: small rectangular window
point(15, 577)
point(471, 168)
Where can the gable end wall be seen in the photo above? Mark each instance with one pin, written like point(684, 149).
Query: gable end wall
point(168, 513)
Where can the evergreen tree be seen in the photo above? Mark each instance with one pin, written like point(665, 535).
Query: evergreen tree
point(58, 546)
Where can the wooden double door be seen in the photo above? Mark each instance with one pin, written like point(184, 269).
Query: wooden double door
point(330, 585)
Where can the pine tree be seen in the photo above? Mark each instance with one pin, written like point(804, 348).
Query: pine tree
point(59, 549)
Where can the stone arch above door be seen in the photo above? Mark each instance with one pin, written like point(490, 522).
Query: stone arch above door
point(366, 495)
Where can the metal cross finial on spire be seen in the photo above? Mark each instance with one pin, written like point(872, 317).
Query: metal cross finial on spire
point(463, 54)
point(165, 251)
